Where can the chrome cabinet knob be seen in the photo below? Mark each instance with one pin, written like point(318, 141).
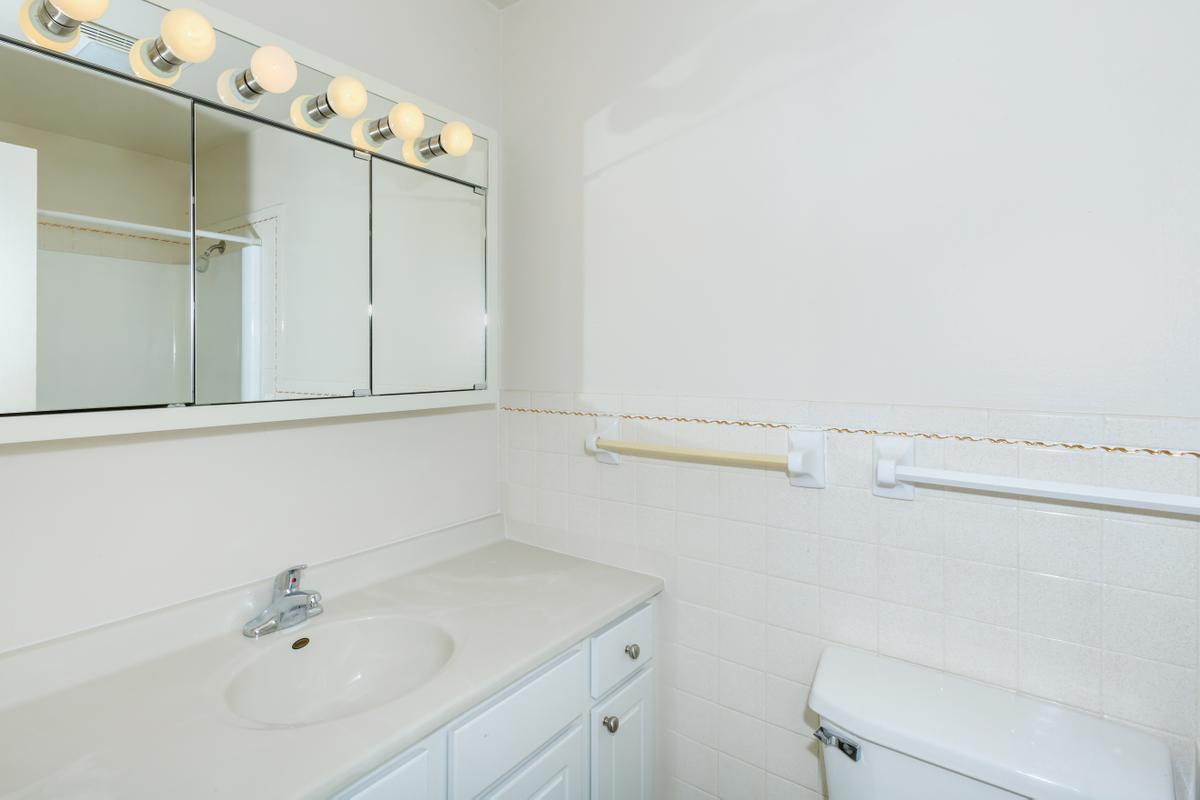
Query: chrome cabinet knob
point(633, 651)
point(612, 723)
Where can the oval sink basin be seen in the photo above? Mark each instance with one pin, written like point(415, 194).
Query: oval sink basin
point(329, 671)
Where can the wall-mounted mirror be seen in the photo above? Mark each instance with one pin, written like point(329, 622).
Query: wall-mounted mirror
point(95, 274)
point(282, 263)
point(428, 282)
point(305, 268)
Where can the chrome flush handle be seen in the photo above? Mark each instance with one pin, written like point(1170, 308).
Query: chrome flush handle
point(849, 748)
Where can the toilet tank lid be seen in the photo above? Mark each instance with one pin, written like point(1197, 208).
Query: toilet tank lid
point(1026, 746)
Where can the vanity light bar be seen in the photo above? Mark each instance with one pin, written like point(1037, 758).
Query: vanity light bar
point(187, 37)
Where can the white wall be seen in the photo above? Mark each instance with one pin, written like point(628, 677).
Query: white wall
point(964, 217)
point(95, 530)
point(98, 530)
point(448, 51)
point(959, 204)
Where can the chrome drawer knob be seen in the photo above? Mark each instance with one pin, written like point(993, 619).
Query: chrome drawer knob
point(633, 651)
point(612, 723)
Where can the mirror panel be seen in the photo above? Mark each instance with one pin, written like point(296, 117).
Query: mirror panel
point(282, 263)
point(428, 282)
point(95, 217)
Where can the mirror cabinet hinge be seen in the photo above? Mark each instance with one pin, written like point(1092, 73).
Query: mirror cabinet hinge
point(365, 156)
point(177, 405)
point(480, 190)
point(362, 393)
point(479, 386)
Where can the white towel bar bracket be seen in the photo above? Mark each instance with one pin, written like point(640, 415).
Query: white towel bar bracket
point(892, 452)
point(606, 428)
point(806, 459)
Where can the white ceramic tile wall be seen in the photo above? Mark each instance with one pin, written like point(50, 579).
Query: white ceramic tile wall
point(1094, 609)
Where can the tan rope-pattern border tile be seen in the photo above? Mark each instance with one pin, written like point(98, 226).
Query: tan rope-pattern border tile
point(944, 437)
point(121, 234)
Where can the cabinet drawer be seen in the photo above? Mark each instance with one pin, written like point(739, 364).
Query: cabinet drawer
point(613, 650)
point(487, 746)
point(560, 773)
point(418, 772)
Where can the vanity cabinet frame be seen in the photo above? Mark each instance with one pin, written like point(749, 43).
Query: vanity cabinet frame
point(543, 736)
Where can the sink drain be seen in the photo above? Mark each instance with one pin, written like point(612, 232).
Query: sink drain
point(299, 643)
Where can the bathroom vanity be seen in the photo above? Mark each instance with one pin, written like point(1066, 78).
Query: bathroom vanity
point(457, 665)
point(550, 735)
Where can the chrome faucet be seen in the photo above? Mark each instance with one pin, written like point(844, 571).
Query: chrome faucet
point(290, 606)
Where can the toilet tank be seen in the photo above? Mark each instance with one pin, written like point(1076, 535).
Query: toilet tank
point(898, 731)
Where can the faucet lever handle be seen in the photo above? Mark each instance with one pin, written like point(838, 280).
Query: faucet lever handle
point(289, 580)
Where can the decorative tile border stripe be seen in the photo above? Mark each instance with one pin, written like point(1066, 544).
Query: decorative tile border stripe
point(121, 234)
point(954, 437)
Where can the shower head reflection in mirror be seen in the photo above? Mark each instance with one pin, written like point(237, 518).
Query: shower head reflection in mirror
point(206, 256)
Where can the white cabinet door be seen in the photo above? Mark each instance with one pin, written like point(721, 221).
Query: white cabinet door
point(559, 773)
point(623, 742)
point(417, 774)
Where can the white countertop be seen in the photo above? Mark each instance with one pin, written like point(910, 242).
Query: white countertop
point(162, 728)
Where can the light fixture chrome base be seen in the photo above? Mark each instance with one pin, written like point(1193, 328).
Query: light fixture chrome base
point(411, 157)
point(46, 26)
point(358, 135)
point(300, 119)
point(430, 147)
point(238, 89)
point(57, 21)
point(372, 134)
point(151, 60)
point(380, 131)
point(312, 112)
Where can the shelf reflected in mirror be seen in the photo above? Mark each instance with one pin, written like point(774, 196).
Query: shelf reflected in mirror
point(96, 226)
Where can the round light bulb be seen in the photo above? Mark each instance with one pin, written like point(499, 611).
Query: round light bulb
point(457, 138)
point(189, 35)
point(347, 96)
point(82, 10)
point(406, 121)
point(273, 68)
